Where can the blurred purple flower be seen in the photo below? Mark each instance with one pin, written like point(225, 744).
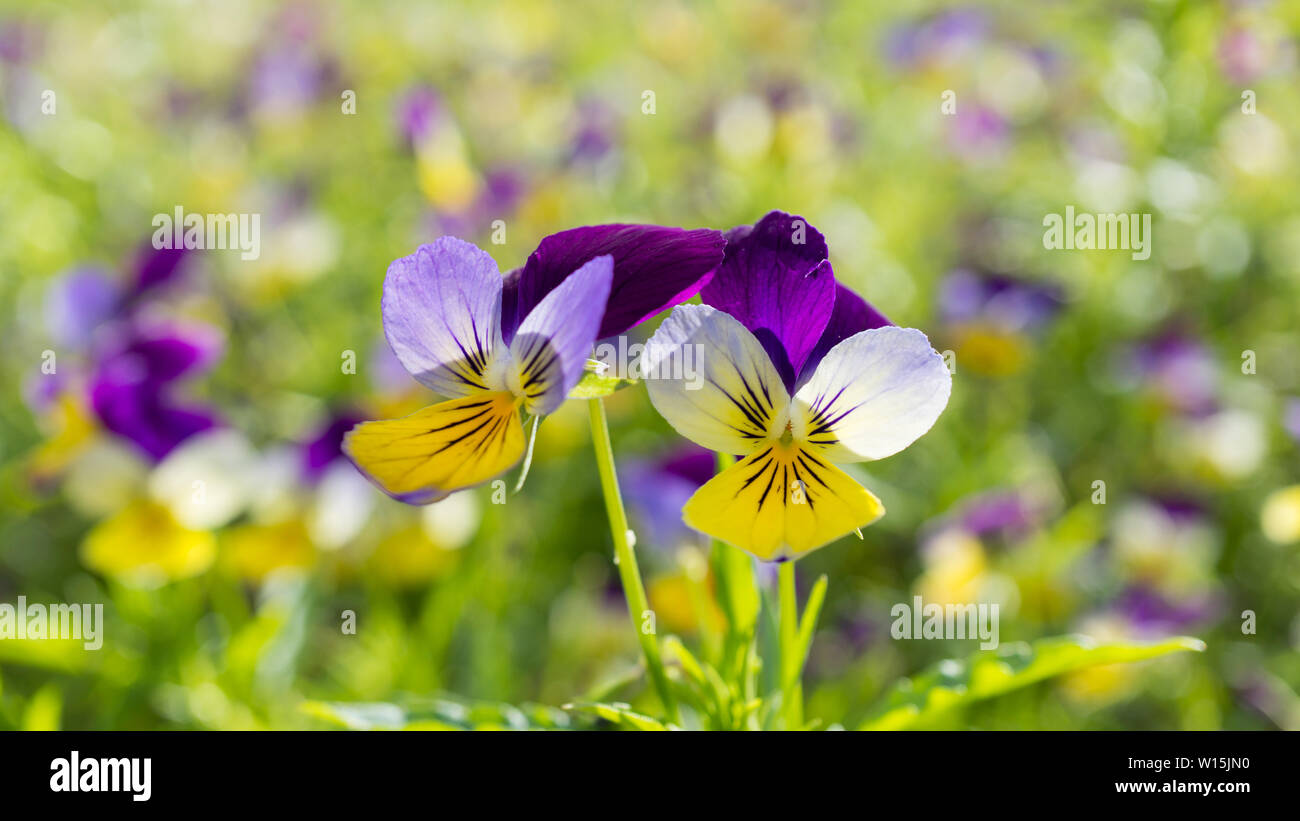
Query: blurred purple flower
point(977, 131)
point(1012, 304)
point(657, 489)
point(20, 42)
point(1005, 514)
point(132, 385)
point(326, 445)
point(1241, 55)
point(1291, 418)
point(497, 199)
point(1179, 368)
point(596, 133)
point(944, 36)
point(78, 302)
point(156, 267)
point(1151, 614)
point(289, 74)
point(417, 114)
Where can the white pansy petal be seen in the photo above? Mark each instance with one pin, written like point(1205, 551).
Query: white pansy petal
point(711, 379)
point(873, 394)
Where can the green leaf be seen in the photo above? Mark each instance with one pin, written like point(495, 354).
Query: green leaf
point(988, 673)
point(594, 386)
point(438, 714)
point(808, 624)
point(620, 714)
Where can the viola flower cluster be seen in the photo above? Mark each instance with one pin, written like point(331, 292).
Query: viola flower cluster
point(800, 374)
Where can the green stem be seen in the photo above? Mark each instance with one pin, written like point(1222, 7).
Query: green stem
point(791, 689)
point(637, 604)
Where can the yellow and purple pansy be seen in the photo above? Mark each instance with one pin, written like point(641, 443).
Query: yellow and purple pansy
point(497, 345)
point(798, 374)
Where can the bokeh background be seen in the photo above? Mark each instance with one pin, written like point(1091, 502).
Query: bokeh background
point(180, 464)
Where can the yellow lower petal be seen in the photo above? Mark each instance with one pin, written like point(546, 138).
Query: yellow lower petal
point(781, 502)
point(443, 448)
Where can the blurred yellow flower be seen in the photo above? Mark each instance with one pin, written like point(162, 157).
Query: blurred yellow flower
point(255, 551)
point(675, 606)
point(72, 428)
point(989, 351)
point(955, 569)
point(144, 545)
point(1280, 517)
point(446, 176)
point(407, 557)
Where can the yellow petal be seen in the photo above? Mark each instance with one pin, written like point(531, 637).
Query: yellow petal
point(443, 448)
point(781, 502)
point(144, 544)
point(74, 429)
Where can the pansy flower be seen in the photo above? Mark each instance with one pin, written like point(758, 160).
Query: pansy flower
point(798, 374)
point(497, 345)
point(131, 390)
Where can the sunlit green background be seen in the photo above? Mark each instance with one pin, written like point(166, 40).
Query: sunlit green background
point(555, 114)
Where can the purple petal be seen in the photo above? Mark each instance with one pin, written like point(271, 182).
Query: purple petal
point(554, 341)
point(130, 389)
point(1149, 611)
point(77, 303)
point(657, 489)
point(655, 268)
point(327, 445)
point(157, 266)
point(162, 358)
point(142, 413)
point(417, 113)
point(777, 281)
point(851, 314)
point(442, 309)
point(1291, 418)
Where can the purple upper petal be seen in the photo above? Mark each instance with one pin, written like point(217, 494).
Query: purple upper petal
point(554, 340)
point(442, 308)
point(655, 268)
point(851, 314)
point(777, 281)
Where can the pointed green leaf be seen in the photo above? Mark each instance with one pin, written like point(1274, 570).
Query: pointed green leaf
point(620, 714)
point(437, 714)
point(989, 673)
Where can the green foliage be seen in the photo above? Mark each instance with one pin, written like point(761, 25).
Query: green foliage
point(438, 714)
point(952, 684)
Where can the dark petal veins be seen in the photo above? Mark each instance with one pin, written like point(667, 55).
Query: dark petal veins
point(852, 314)
point(777, 281)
